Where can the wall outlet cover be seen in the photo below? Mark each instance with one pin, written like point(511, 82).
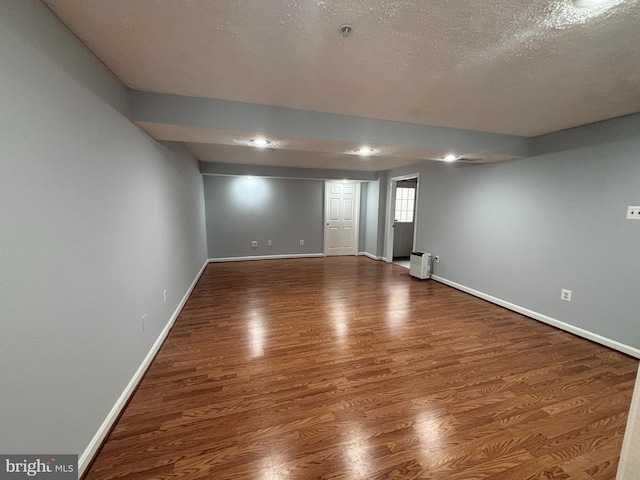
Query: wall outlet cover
point(565, 295)
point(633, 213)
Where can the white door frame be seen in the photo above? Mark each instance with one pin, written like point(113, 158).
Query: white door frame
point(356, 223)
point(391, 211)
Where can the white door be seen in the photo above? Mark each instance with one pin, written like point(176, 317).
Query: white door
point(391, 212)
point(341, 218)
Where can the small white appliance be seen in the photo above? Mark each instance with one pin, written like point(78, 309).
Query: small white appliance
point(420, 266)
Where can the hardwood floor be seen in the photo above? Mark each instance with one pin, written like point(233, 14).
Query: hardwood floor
point(347, 368)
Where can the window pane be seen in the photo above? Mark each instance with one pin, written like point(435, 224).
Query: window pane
point(405, 200)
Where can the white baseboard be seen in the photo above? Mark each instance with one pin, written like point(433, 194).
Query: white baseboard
point(367, 254)
point(96, 442)
point(385, 259)
point(621, 347)
point(265, 257)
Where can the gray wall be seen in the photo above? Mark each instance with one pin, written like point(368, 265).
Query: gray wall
point(97, 219)
point(522, 230)
point(383, 189)
point(362, 232)
point(242, 209)
point(370, 245)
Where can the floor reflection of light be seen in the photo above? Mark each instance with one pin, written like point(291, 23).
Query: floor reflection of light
point(397, 309)
point(356, 456)
point(339, 321)
point(274, 468)
point(341, 329)
point(256, 334)
point(429, 427)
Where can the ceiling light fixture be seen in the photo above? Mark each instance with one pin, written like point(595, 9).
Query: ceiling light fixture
point(450, 157)
point(259, 142)
point(364, 151)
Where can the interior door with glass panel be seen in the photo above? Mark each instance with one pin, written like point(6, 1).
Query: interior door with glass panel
point(403, 228)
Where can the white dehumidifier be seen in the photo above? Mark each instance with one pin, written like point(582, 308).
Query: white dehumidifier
point(420, 266)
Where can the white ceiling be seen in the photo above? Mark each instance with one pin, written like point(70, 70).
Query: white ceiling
point(517, 67)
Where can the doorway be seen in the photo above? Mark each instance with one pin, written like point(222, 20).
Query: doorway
point(341, 211)
point(402, 219)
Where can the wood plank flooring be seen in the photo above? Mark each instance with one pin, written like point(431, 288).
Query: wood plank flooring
point(347, 368)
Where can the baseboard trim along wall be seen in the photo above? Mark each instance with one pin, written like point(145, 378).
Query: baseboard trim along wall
point(265, 257)
point(96, 442)
point(367, 254)
point(594, 337)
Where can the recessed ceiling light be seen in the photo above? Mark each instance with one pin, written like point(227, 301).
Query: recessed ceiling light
point(450, 157)
point(259, 142)
point(590, 3)
point(364, 151)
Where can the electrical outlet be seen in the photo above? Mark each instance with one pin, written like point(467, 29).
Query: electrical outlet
point(301, 242)
point(565, 295)
point(633, 213)
point(436, 259)
point(254, 244)
point(268, 243)
point(164, 295)
point(144, 321)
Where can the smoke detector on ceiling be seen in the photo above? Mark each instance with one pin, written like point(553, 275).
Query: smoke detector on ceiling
point(346, 29)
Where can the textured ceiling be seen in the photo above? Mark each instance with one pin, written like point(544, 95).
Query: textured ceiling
point(519, 67)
